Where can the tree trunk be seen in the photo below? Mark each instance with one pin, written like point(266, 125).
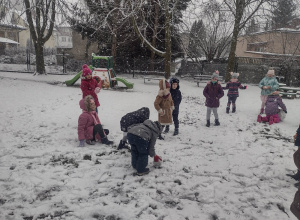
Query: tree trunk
point(156, 7)
point(231, 58)
point(240, 7)
point(114, 37)
point(40, 65)
point(167, 42)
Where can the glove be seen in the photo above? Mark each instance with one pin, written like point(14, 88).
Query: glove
point(245, 87)
point(81, 144)
point(97, 90)
point(157, 161)
point(157, 158)
point(285, 111)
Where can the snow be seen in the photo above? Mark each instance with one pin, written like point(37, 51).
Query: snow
point(233, 171)
point(6, 40)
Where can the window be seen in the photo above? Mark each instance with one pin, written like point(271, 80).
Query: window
point(63, 39)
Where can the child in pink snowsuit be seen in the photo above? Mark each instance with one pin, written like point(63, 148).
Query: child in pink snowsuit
point(272, 111)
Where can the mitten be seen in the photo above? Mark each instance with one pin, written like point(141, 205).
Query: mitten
point(245, 87)
point(81, 144)
point(97, 90)
point(157, 161)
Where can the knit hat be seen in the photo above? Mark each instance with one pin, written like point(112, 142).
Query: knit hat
point(215, 75)
point(234, 75)
point(271, 72)
point(86, 70)
point(174, 80)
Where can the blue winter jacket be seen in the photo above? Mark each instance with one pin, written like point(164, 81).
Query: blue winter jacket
point(268, 81)
point(176, 96)
point(297, 141)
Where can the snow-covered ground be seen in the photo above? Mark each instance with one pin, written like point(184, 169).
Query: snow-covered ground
point(233, 171)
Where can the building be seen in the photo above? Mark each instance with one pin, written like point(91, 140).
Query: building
point(280, 43)
point(9, 30)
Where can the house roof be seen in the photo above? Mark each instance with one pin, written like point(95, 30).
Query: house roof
point(8, 41)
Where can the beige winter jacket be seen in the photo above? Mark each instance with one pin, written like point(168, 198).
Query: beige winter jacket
point(164, 103)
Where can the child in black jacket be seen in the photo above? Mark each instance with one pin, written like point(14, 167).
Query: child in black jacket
point(176, 96)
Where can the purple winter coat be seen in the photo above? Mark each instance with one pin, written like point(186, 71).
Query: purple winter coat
point(272, 104)
point(86, 122)
point(213, 92)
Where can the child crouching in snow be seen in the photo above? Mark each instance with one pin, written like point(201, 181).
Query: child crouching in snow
point(233, 87)
point(131, 118)
point(272, 111)
point(89, 125)
point(142, 138)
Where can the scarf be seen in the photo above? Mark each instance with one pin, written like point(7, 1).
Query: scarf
point(92, 113)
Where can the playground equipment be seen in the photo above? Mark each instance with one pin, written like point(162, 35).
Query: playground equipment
point(107, 74)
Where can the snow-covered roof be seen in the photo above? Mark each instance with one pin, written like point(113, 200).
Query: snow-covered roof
point(263, 42)
point(286, 30)
point(8, 21)
point(8, 41)
point(272, 54)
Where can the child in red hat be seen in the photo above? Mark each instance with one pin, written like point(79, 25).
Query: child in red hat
point(88, 85)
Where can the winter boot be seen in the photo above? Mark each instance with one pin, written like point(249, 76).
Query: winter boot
point(207, 123)
point(160, 137)
point(295, 176)
point(147, 170)
point(271, 120)
point(176, 131)
point(227, 110)
point(259, 118)
point(106, 141)
point(167, 129)
point(261, 111)
point(90, 142)
point(233, 109)
point(123, 144)
point(217, 123)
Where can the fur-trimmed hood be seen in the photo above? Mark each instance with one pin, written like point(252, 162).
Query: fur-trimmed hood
point(163, 88)
point(85, 104)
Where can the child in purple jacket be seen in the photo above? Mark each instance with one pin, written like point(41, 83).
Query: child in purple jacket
point(213, 92)
point(233, 87)
point(272, 111)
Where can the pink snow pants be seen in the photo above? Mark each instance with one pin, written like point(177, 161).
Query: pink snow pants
point(275, 118)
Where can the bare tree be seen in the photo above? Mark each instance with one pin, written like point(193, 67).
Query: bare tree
point(242, 11)
point(168, 8)
point(213, 34)
point(40, 17)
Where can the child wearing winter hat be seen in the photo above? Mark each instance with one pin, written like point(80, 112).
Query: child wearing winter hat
point(89, 126)
point(213, 92)
point(142, 138)
point(233, 87)
point(268, 85)
point(272, 111)
point(131, 118)
point(164, 104)
point(176, 96)
point(89, 85)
